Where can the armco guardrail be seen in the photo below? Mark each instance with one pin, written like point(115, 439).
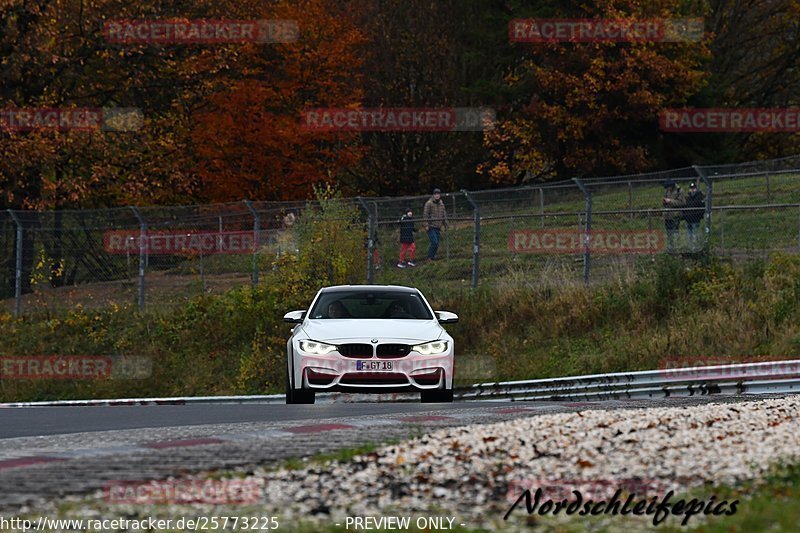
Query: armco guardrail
point(748, 378)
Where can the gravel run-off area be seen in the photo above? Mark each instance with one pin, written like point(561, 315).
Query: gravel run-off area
point(475, 473)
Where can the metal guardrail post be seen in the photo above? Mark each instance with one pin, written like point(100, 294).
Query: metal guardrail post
point(370, 241)
point(18, 264)
point(142, 254)
point(709, 193)
point(588, 233)
point(256, 239)
point(476, 243)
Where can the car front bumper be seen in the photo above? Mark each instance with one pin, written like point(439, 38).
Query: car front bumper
point(410, 372)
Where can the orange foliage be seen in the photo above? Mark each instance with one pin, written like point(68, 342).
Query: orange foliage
point(249, 141)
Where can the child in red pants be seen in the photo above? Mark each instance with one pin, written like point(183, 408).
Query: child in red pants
point(407, 245)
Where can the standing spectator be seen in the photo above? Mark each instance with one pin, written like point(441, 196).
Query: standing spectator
point(673, 201)
point(286, 239)
point(376, 256)
point(434, 218)
point(695, 210)
point(407, 244)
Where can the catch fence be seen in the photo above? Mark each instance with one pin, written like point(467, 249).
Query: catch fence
point(581, 230)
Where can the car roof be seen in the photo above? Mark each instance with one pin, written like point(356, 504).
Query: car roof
point(366, 288)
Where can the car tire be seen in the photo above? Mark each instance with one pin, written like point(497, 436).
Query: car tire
point(437, 396)
point(295, 396)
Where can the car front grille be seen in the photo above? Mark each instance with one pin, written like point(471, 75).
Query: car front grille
point(393, 350)
point(355, 350)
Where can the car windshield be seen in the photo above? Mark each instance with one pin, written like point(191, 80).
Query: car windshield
point(371, 304)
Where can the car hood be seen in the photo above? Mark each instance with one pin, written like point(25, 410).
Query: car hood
point(332, 330)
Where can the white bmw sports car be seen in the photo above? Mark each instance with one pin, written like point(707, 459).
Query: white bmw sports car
point(369, 338)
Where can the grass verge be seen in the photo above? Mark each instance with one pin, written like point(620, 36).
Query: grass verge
point(527, 327)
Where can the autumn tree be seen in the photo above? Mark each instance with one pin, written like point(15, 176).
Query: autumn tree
point(755, 63)
point(592, 108)
point(422, 54)
point(55, 55)
point(249, 140)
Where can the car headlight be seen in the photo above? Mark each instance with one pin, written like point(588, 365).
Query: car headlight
point(431, 348)
point(316, 348)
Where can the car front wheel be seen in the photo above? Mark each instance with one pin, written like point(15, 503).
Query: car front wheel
point(295, 396)
point(437, 396)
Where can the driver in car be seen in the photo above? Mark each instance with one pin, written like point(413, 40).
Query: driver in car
point(337, 310)
point(396, 310)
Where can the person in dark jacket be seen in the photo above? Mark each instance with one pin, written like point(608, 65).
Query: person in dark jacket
point(695, 209)
point(407, 245)
point(673, 200)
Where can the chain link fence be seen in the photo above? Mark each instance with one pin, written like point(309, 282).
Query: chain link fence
point(581, 231)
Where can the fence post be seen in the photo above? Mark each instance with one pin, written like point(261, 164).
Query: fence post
point(630, 196)
point(447, 233)
point(142, 258)
point(709, 193)
point(256, 239)
point(18, 264)
point(376, 232)
point(587, 237)
point(476, 243)
point(370, 241)
point(513, 229)
point(541, 204)
point(769, 191)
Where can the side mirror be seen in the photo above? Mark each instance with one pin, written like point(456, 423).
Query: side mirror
point(446, 317)
point(294, 317)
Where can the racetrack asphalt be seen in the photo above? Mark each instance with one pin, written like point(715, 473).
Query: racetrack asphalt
point(51, 452)
point(44, 421)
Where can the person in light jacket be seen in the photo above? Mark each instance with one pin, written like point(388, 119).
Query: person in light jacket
point(434, 217)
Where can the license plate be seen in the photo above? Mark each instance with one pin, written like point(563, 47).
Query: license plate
point(373, 365)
